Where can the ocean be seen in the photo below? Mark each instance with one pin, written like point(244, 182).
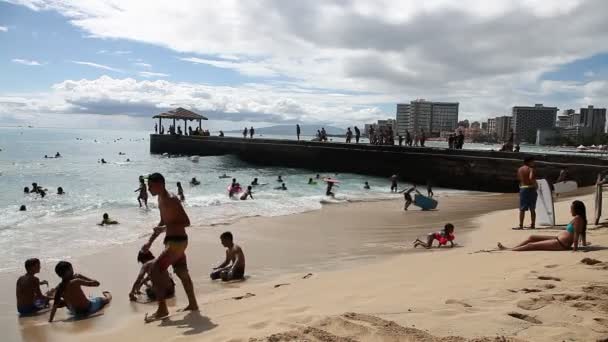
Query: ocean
point(65, 226)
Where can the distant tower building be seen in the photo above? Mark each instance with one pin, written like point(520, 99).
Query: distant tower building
point(432, 117)
point(503, 127)
point(594, 120)
point(491, 125)
point(528, 120)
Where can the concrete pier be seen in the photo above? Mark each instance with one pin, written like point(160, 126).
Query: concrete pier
point(455, 169)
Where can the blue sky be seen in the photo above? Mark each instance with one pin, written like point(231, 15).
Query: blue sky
point(335, 62)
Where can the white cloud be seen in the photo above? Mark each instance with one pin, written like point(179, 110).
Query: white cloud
point(115, 52)
point(3, 29)
point(488, 55)
point(143, 65)
point(149, 74)
point(98, 66)
point(26, 62)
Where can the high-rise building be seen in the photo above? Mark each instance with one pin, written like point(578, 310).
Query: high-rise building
point(503, 127)
point(594, 120)
point(491, 125)
point(432, 117)
point(528, 120)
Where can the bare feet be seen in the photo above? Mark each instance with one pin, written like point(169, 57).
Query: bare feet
point(501, 247)
point(158, 315)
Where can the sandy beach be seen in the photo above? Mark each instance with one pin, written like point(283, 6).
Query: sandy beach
point(348, 273)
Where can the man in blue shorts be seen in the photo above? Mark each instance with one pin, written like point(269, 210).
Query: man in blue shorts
point(527, 192)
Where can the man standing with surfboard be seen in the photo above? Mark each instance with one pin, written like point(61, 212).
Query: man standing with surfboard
point(526, 175)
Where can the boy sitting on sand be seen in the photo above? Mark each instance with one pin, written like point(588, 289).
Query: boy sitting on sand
point(106, 220)
point(69, 293)
point(147, 260)
point(447, 234)
point(29, 297)
point(233, 268)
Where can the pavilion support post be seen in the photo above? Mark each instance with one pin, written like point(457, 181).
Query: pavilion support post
point(174, 128)
point(200, 124)
point(185, 127)
point(160, 124)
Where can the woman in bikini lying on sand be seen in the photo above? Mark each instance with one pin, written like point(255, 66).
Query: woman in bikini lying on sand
point(575, 230)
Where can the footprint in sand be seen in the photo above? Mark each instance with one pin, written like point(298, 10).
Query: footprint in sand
point(602, 321)
point(247, 295)
point(307, 276)
point(549, 286)
point(549, 278)
point(535, 303)
point(524, 317)
point(279, 285)
point(455, 301)
point(551, 266)
point(597, 290)
point(591, 262)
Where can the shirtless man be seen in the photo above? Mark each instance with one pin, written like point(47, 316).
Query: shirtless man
point(247, 193)
point(527, 192)
point(173, 222)
point(233, 267)
point(69, 293)
point(29, 297)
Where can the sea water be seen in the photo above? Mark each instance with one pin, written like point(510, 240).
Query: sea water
point(65, 226)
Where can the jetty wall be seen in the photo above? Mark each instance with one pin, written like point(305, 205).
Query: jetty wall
point(456, 169)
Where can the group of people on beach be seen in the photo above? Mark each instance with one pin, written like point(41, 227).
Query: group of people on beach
point(153, 273)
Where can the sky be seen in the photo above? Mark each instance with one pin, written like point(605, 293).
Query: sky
point(116, 63)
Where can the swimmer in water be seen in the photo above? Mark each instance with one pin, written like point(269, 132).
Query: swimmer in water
point(194, 181)
point(318, 176)
point(143, 192)
point(103, 161)
point(224, 176)
point(57, 155)
point(26, 190)
point(255, 182)
point(282, 187)
point(22, 208)
point(235, 188)
point(106, 220)
point(328, 191)
point(180, 192)
point(366, 186)
point(60, 191)
point(247, 193)
point(280, 179)
point(311, 182)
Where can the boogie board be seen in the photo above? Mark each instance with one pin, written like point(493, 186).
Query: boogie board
point(598, 203)
point(563, 187)
point(545, 213)
point(426, 203)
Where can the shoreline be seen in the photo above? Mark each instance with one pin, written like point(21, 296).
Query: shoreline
point(386, 288)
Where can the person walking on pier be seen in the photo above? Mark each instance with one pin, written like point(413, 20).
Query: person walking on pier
point(298, 131)
point(357, 134)
point(400, 140)
point(245, 133)
point(422, 137)
point(251, 132)
point(527, 192)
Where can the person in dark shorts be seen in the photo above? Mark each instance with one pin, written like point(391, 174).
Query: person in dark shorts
point(233, 268)
point(526, 175)
point(407, 196)
point(29, 297)
point(394, 183)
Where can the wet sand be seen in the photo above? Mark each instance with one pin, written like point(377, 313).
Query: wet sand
point(361, 261)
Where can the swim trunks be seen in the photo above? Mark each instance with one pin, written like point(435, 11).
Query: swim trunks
point(527, 199)
point(95, 304)
point(233, 274)
point(174, 253)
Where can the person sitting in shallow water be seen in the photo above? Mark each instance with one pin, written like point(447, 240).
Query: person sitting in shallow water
point(60, 191)
point(280, 179)
point(311, 182)
point(443, 237)
point(26, 190)
point(575, 231)
point(106, 220)
point(366, 186)
point(255, 182)
point(233, 267)
point(22, 208)
point(247, 193)
point(282, 187)
point(146, 259)
point(194, 181)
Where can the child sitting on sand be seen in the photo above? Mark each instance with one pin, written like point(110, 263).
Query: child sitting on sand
point(443, 237)
point(106, 220)
point(146, 259)
point(69, 293)
point(233, 267)
point(29, 297)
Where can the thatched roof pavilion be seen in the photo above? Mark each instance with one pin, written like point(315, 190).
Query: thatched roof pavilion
point(180, 114)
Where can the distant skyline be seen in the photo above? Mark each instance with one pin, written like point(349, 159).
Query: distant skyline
point(335, 62)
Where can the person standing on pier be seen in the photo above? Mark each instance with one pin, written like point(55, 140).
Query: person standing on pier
point(298, 131)
point(527, 192)
point(357, 134)
point(349, 135)
point(245, 133)
point(251, 132)
point(422, 137)
point(155, 128)
point(408, 138)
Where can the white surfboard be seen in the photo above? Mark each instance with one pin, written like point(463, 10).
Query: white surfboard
point(545, 213)
point(563, 187)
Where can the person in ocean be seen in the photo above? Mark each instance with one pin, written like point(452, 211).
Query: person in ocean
point(280, 179)
point(180, 192)
point(234, 189)
point(247, 193)
point(103, 161)
point(143, 192)
point(311, 182)
point(394, 183)
point(443, 237)
point(233, 267)
point(106, 220)
point(23, 208)
point(69, 293)
point(282, 187)
point(318, 176)
point(407, 196)
point(255, 182)
point(224, 176)
point(26, 190)
point(328, 191)
point(146, 259)
point(57, 155)
point(576, 231)
point(366, 186)
point(194, 181)
point(29, 297)
point(60, 191)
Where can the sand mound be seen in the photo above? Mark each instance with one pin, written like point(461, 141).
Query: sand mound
point(354, 327)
